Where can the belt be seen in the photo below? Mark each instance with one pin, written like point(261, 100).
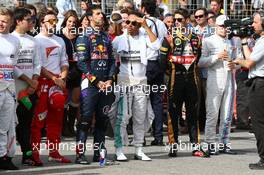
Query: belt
point(152, 60)
point(183, 73)
point(260, 79)
point(72, 61)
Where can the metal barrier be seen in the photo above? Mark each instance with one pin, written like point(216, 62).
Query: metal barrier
point(238, 10)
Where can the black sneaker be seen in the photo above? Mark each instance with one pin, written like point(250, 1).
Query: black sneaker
point(212, 150)
point(7, 164)
point(81, 159)
point(157, 143)
point(257, 166)
point(227, 150)
point(28, 160)
point(173, 151)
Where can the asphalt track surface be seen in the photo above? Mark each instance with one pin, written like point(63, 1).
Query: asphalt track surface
point(185, 164)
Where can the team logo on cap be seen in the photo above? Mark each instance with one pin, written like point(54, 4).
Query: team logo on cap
point(177, 41)
point(106, 109)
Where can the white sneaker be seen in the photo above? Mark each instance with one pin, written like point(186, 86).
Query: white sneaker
point(140, 155)
point(120, 156)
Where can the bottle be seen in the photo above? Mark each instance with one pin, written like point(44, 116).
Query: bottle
point(102, 152)
point(227, 49)
point(23, 98)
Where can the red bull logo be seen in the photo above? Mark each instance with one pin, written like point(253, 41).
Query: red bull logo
point(101, 48)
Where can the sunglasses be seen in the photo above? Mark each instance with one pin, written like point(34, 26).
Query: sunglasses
point(178, 19)
point(52, 21)
point(31, 20)
point(134, 23)
point(198, 16)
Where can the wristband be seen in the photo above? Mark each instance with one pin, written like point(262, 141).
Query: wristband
point(243, 44)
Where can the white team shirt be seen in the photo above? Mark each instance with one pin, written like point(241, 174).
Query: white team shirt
point(52, 53)
point(130, 62)
point(28, 59)
point(8, 59)
point(257, 55)
point(162, 33)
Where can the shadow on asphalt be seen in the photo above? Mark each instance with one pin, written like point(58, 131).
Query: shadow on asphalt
point(56, 169)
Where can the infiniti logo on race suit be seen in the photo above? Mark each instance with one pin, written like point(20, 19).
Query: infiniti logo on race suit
point(101, 63)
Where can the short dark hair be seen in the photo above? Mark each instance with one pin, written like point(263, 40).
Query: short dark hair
point(168, 15)
point(42, 15)
point(203, 9)
point(86, 15)
point(184, 12)
point(136, 13)
point(31, 7)
point(150, 6)
point(19, 14)
point(95, 7)
point(211, 12)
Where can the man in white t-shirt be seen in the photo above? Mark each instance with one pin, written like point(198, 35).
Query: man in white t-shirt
point(8, 58)
point(50, 107)
point(154, 72)
point(26, 84)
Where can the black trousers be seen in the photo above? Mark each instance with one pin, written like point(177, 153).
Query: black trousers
point(182, 88)
point(92, 100)
point(256, 108)
point(155, 78)
point(242, 103)
point(23, 129)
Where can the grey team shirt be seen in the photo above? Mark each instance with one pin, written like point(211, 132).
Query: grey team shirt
point(257, 56)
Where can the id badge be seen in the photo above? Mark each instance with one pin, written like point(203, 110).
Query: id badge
point(74, 57)
point(84, 84)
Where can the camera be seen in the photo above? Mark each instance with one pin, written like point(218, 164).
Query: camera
point(239, 27)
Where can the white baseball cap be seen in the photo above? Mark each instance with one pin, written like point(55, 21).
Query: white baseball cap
point(220, 20)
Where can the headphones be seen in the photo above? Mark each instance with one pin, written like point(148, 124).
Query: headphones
point(261, 13)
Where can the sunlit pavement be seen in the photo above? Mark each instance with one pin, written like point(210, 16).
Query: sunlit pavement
point(241, 141)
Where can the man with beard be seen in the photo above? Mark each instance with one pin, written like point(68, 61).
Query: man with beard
point(50, 107)
point(96, 62)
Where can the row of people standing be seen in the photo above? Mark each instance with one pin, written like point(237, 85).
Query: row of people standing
point(93, 72)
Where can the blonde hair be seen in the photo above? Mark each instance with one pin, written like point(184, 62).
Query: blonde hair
point(6, 12)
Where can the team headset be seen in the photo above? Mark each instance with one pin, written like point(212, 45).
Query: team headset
point(261, 13)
